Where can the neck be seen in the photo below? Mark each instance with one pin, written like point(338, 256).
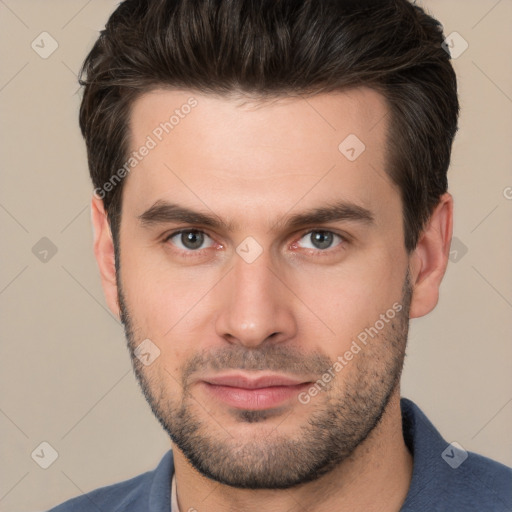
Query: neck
point(375, 477)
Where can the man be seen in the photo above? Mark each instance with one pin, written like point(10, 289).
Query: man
point(270, 209)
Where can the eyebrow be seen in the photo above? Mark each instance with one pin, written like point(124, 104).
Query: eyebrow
point(163, 212)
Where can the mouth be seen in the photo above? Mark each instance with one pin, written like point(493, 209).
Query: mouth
point(264, 392)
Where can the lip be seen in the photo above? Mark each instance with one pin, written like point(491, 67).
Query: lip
point(238, 380)
point(265, 392)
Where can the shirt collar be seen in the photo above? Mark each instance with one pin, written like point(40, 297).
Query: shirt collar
point(174, 499)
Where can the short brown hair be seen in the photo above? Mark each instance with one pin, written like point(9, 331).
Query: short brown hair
point(272, 48)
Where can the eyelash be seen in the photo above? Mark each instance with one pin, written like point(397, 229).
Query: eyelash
point(194, 253)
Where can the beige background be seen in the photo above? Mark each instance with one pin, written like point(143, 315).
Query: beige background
point(65, 373)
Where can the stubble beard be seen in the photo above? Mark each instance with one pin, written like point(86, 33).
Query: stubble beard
point(341, 418)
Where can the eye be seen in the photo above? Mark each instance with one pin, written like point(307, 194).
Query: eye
point(189, 239)
point(320, 240)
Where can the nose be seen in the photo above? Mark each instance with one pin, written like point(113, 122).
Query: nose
point(255, 305)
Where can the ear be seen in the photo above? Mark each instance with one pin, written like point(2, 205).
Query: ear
point(104, 252)
point(430, 257)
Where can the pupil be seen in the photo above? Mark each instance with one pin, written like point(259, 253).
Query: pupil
point(321, 239)
point(192, 239)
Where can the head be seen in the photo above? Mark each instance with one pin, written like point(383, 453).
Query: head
point(270, 196)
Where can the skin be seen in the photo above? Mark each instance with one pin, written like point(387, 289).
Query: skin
point(293, 310)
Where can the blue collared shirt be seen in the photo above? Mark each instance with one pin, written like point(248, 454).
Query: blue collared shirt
point(445, 479)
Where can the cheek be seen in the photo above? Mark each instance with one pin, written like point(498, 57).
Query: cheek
point(158, 293)
point(351, 296)
point(170, 307)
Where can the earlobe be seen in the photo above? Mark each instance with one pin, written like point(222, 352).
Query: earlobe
point(105, 254)
point(429, 259)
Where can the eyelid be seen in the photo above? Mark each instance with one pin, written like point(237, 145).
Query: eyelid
point(345, 239)
point(168, 237)
point(186, 229)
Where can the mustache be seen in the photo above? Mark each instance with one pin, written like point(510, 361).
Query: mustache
point(271, 358)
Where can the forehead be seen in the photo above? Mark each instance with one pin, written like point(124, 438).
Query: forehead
point(235, 152)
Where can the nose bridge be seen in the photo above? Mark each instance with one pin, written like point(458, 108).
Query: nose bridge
point(254, 283)
point(255, 305)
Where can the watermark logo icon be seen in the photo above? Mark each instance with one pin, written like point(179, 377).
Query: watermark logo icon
point(454, 455)
point(457, 250)
point(454, 45)
point(44, 455)
point(44, 250)
point(44, 45)
point(351, 147)
point(146, 352)
point(249, 250)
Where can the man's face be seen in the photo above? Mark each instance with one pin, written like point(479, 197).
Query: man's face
point(254, 294)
